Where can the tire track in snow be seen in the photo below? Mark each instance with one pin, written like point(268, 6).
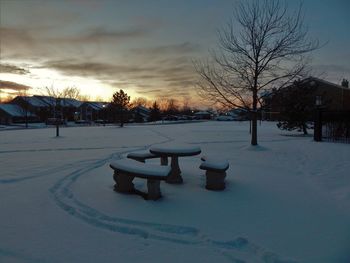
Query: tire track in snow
point(62, 149)
point(238, 250)
point(55, 170)
point(47, 172)
point(8, 255)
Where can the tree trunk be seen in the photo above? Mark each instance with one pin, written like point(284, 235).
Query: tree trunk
point(121, 119)
point(26, 119)
point(304, 129)
point(57, 129)
point(254, 114)
point(254, 140)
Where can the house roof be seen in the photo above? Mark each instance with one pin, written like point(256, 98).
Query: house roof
point(202, 113)
point(322, 81)
point(71, 102)
point(142, 109)
point(64, 102)
point(15, 110)
point(94, 105)
point(237, 110)
point(309, 79)
point(50, 101)
point(33, 101)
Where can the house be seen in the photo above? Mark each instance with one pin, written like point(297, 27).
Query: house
point(238, 114)
point(45, 106)
point(203, 115)
point(67, 107)
point(140, 114)
point(33, 104)
point(12, 113)
point(91, 111)
point(331, 96)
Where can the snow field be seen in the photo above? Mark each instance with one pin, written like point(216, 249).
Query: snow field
point(286, 200)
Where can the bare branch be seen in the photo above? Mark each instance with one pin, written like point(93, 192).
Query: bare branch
point(262, 47)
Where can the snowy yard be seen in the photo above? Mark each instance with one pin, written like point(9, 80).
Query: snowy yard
point(287, 200)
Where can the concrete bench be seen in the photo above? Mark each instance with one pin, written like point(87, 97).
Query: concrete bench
point(126, 170)
point(141, 156)
point(215, 172)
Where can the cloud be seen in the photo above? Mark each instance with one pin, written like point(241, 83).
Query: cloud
point(9, 85)
point(149, 79)
point(14, 34)
point(21, 43)
point(15, 37)
point(101, 34)
point(35, 43)
point(104, 34)
point(78, 68)
point(182, 48)
point(95, 69)
point(151, 91)
point(95, 53)
point(12, 69)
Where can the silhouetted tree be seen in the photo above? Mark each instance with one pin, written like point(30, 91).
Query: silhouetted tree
point(71, 93)
point(263, 46)
point(120, 103)
point(56, 95)
point(140, 102)
point(172, 107)
point(155, 112)
point(186, 109)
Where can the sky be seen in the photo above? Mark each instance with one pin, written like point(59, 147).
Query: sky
point(145, 47)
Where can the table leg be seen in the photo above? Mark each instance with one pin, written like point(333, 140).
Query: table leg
point(175, 175)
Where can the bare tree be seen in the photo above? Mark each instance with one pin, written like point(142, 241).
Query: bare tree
point(186, 108)
point(172, 107)
point(88, 98)
point(140, 101)
point(70, 93)
point(162, 103)
point(263, 46)
point(55, 96)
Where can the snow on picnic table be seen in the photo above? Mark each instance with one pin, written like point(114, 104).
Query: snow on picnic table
point(175, 149)
point(287, 200)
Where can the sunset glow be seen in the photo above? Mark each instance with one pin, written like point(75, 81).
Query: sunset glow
point(147, 49)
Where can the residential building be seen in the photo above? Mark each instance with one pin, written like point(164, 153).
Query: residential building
point(140, 114)
point(33, 104)
point(12, 113)
point(91, 111)
point(328, 95)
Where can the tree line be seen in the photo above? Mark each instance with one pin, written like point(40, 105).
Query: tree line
point(121, 104)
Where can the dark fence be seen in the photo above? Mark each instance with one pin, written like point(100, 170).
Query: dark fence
point(332, 126)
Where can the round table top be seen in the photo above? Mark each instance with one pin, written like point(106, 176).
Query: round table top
point(175, 150)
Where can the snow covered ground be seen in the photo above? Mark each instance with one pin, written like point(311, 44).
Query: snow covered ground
point(287, 200)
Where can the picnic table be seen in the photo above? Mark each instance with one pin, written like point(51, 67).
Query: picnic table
point(165, 151)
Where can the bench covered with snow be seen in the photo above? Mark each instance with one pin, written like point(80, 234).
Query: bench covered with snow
point(126, 170)
point(215, 172)
point(141, 156)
